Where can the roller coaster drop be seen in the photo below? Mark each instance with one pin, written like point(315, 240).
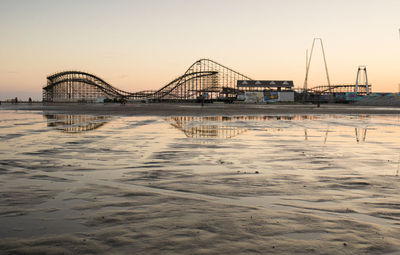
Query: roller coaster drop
point(204, 76)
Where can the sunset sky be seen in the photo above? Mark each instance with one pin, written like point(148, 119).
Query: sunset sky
point(137, 45)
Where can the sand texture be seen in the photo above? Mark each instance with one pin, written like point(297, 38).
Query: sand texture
point(171, 184)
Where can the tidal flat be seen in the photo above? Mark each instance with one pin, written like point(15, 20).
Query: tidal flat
point(245, 184)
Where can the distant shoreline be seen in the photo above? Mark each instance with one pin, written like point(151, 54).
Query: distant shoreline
point(192, 109)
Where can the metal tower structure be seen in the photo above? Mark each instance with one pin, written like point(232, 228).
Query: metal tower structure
point(362, 69)
point(308, 63)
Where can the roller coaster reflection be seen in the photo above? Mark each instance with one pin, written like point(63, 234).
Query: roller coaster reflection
point(218, 127)
point(208, 128)
point(75, 123)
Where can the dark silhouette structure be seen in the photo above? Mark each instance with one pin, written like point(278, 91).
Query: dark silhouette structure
point(203, 79)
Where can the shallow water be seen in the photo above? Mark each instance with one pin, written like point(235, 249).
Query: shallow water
point(318, 184)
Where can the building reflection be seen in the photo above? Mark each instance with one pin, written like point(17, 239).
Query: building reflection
point(75, 123)
point(226, 127)
point(218, 127)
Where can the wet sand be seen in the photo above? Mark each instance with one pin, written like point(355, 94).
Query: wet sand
point(215, 109)
point(267, 184)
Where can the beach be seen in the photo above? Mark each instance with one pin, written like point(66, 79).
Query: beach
point(199, 127)
point(187, 179)
point(196, 109)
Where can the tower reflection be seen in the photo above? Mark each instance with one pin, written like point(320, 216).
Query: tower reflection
point(361, 134)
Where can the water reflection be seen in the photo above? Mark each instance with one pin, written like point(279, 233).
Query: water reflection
point(360, 132)
point(205, 127)
point(214, 127)
point(75, 123)
point(220, 126)
point(326, 135)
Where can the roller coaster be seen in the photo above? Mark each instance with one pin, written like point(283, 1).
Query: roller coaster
point(205, 76)
point(332, 89)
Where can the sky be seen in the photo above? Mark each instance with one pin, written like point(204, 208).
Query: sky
point(139, 45)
